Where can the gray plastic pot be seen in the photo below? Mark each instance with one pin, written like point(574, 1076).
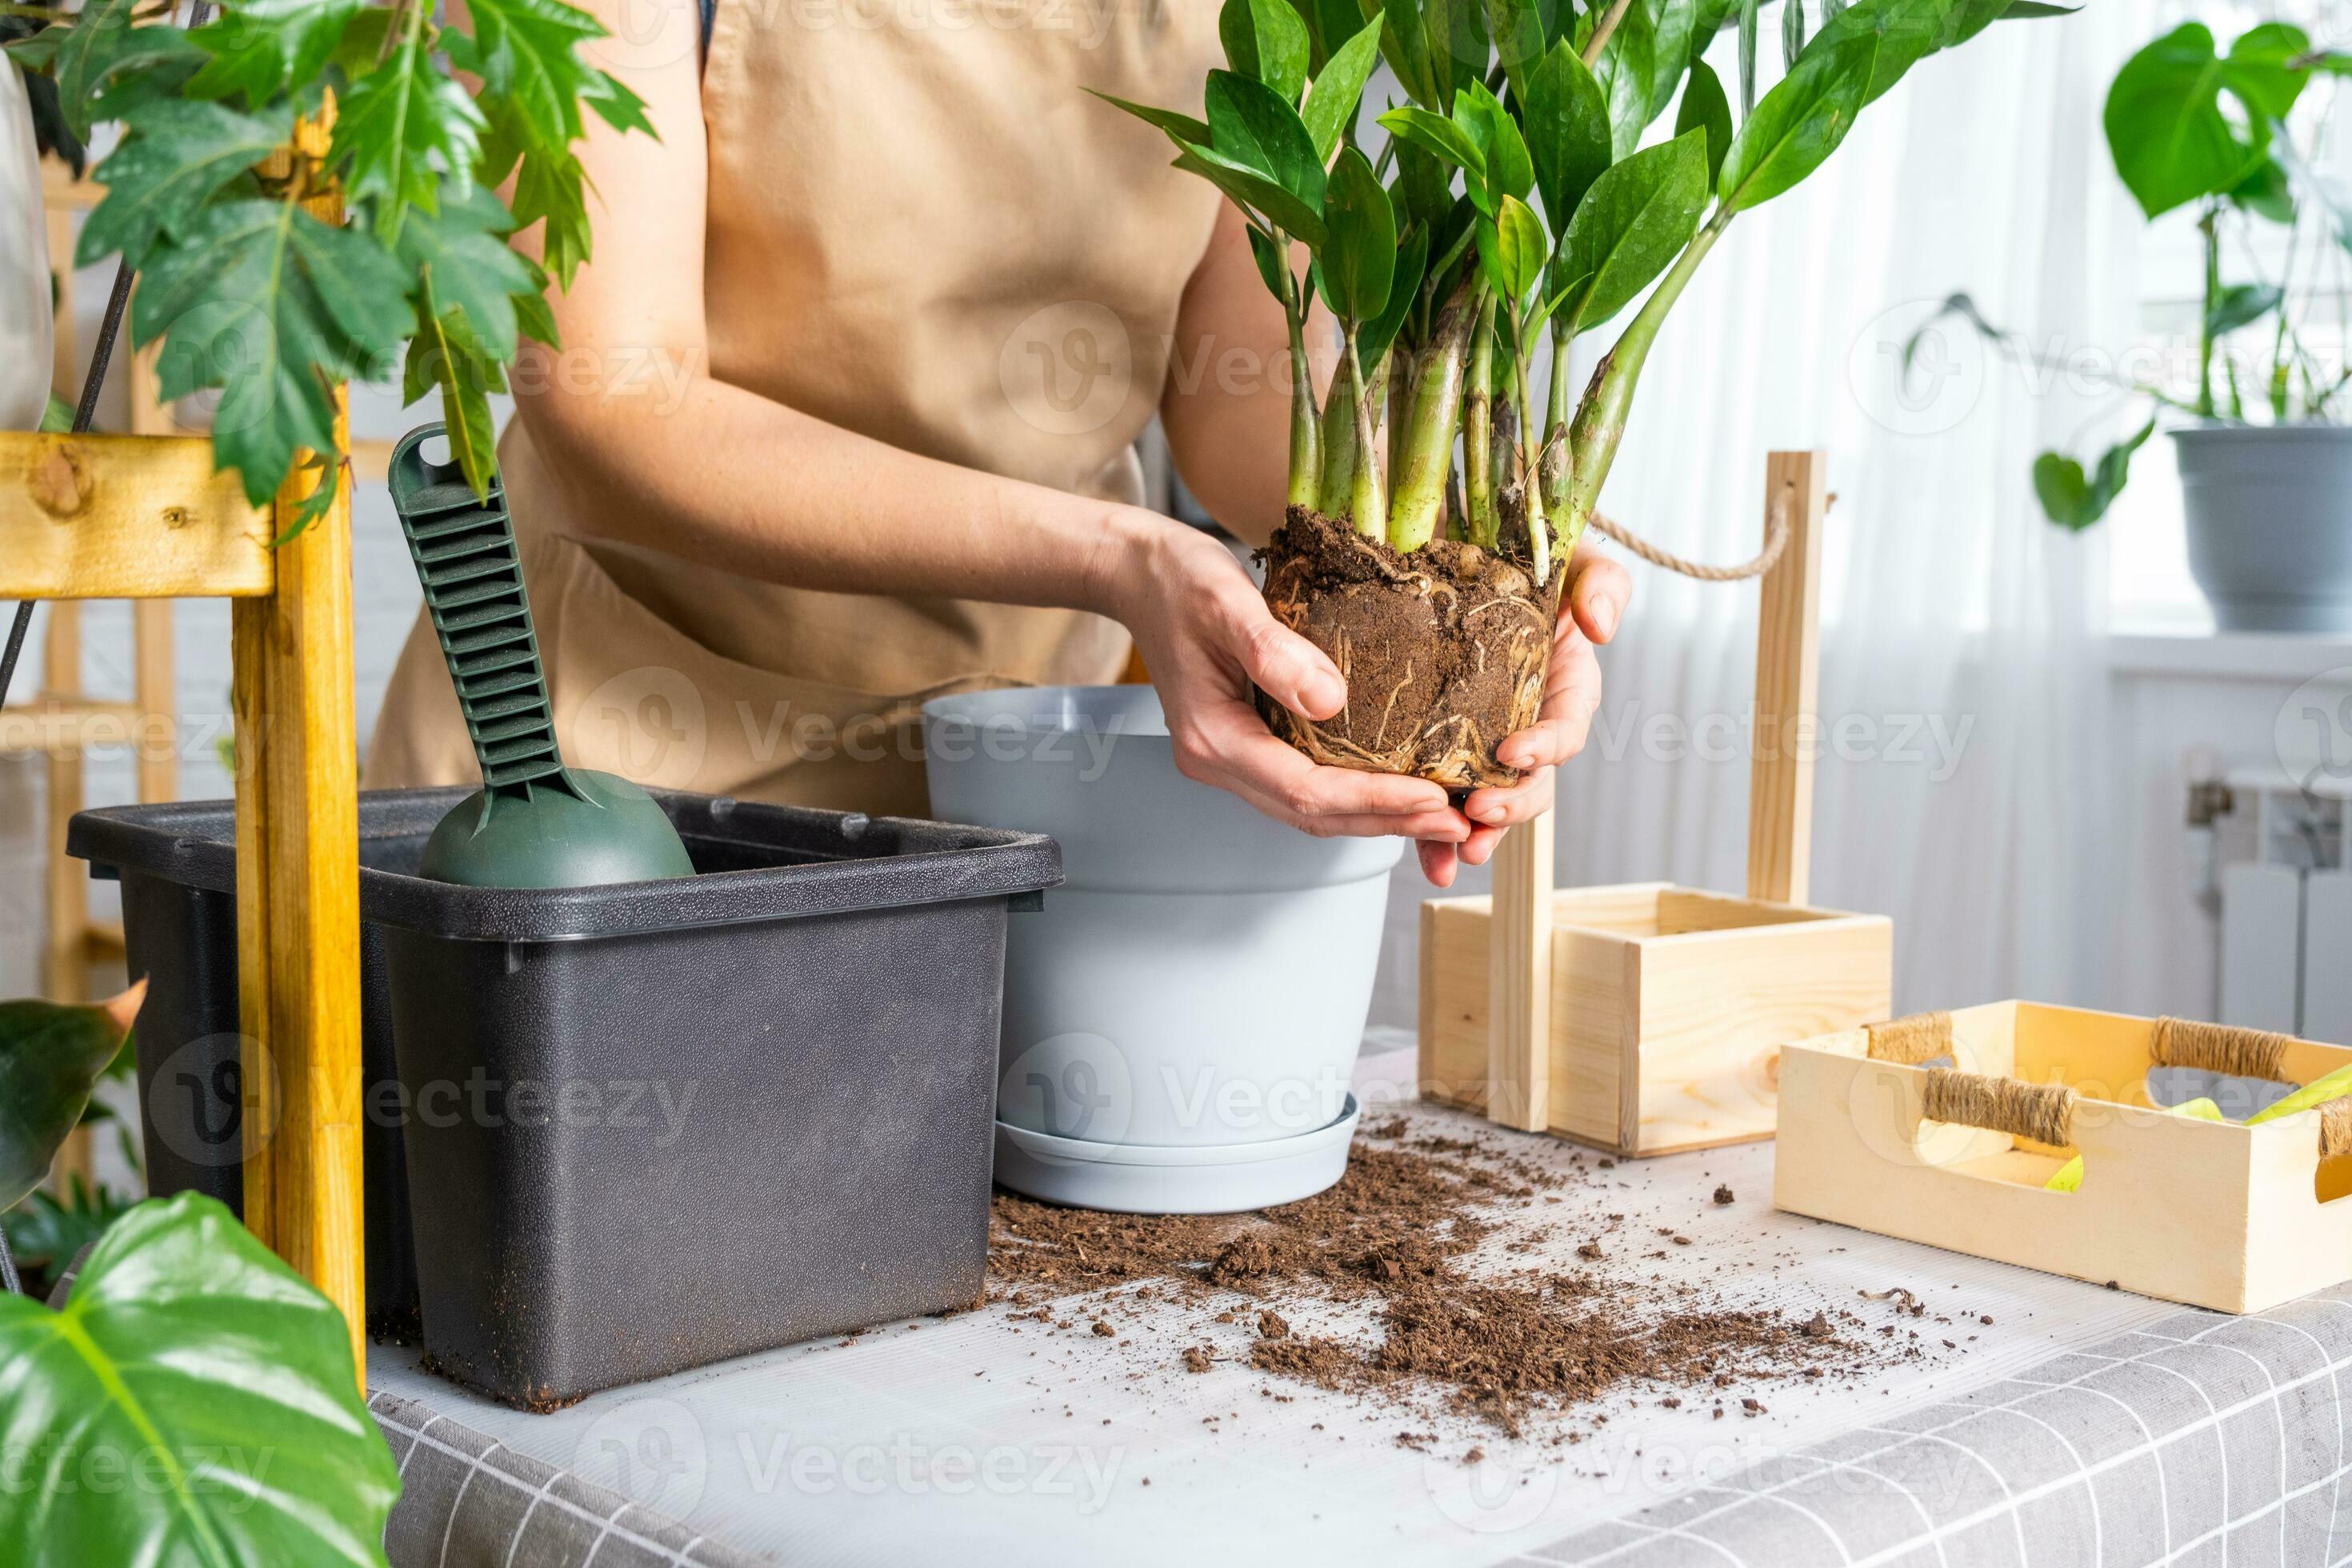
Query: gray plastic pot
point(1202, 976)
point(2268, 509)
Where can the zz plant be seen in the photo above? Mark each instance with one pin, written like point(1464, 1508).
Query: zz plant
point(230, 128)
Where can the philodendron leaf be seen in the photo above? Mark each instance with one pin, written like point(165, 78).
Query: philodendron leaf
point(2242, 305)
point(51, 1058)
point(1332, 102)
point(2266, 193)
point(213, 1384)
point(1634, 221)
point(1359, 253)
point(2262, 69)
point(1254, 128)
point(2075, 500)
point(1799, 124)
point(2170, 142)
point(1183, 127)
point(404, 127)
point(1705, 107)
point(1512, 250)
point(176, 158)
point(1266, 40)
point(1251, 191)
point(1568, 134)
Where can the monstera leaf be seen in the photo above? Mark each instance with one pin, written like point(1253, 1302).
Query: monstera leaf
point(194, 1403)
point(51, 1057)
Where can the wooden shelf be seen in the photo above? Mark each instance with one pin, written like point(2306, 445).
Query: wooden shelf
point(65, 726)
point(126, 517)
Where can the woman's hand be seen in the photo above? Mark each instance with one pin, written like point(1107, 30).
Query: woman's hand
point(1598, 591)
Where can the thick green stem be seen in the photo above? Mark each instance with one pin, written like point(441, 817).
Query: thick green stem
point(1530, 445)
point(1477, 449)
point(2211, 228)
point(1306, 453)
point(1339, 481)
point(1600, 422)
point(1427, 442)
point(1555, 465)
point(1370, 501)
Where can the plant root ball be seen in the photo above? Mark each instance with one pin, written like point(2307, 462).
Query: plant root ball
point(1443, 650)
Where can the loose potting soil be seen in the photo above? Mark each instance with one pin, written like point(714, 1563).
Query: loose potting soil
point(1443, 650)
point(1530, 1352)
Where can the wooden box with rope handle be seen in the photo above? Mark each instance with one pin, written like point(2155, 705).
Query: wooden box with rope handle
point(1648, 1018)
point(1877, 1132)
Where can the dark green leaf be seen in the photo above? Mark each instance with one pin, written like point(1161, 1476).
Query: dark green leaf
point(2240, 305)
point(391, 124)
point(1792, 31)
point(1907, 32)
point(463, 251)
point(47, 1233)
point(1512, 250)
point(2170, 142)
point(1405, 46)
point(1626, 70)
point(615, 105)
point(176, 157)
point(1183, 127)
point(1799, 124)
point(552, 187)
point(2261, 69)
point(268, 304)
point(527, 52)
point(216, 1382)
point(1502, 151)
point(1568, 132)
point(104, 68)
point(1359, 255)
point(51, 1055)
point(1634, 222)
point(1373, 338)
point(1673, 25)
point(2034, 10)
point(80, 56)
point(1705, 107)
point(261, 47)
point(2075, 501)
point(1442, 139)
point(1331, 111)
point(1266, 40)
point(1252, 191)
point(445, 355)
point(2266, 193)
point(1748, 12)
point(1256, 130)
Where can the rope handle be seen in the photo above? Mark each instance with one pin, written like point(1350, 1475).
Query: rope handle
point(2045, 1112)
point(1777, 528)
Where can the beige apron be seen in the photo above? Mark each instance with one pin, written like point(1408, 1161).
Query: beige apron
point(922, 228)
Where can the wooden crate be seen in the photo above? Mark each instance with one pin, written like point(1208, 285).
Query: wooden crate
point(2214, 1214)
point(1668, 1007)
point(1648, 1018)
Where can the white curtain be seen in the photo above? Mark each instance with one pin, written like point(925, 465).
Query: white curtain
point(1962, 697)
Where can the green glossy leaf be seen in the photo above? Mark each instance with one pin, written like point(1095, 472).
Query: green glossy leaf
point(104, 67)
point(1705, 107)
point(176, 157)
point(1673, 25)
point(1252, 127)
point(2242, 305)
point(1799, 124)
point(1503, 152)
point(615, 105)
point(1358, 256)
point(1373, 338)
point(261, 48)
point(2170, 142)
point(1907, 31)
point(1626, 69)
point(2267, 193)
point(1792, 31)
point(1332, 102)
point(2074, 500)
point(462, 249)
point(527, 52)
point(1252, 191)
point(1183, 127)
point(2261, 68)
point(209, 1387)
point(266, 303)
point(51, 1056)
point(47, 1233)
point(1405, 46)
point(1568, 132)
point(551, 189)
point(393, 123)
point(1512, 250)
point(1633, 222)
point(445, 356)
point(78, 55)
point(1440, 138)
point(1266, 40)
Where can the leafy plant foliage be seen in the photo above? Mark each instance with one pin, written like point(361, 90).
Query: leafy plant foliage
point(236, 132)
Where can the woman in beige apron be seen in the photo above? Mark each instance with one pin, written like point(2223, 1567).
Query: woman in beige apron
point(845, 410)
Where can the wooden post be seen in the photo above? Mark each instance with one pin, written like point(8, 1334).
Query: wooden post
point(1518, 980)
point(298, 889)
point(1788, 685)
point(65, 966)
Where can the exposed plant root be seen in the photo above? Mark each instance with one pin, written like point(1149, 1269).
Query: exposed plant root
point(1445, 650)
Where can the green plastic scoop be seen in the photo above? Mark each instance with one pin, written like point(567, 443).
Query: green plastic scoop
point(535, 823)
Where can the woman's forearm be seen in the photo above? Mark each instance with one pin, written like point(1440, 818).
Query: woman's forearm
point(728, 478)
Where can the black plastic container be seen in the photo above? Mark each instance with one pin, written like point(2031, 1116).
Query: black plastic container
point(644, 1126)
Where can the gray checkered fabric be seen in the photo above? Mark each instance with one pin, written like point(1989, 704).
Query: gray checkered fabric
point(2201, 1440)
point(466, 1502)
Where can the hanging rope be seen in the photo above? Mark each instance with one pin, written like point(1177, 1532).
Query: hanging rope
point(1777, 528)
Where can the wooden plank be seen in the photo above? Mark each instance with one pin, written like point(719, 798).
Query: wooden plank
point(158, 733)
point(1594, 1070)
point(61, 191)
point(1519, 979)
point(49, 726)
point(65, 380)
point(1788, 683)
point(125, 516)
point(65, 961)
point(297, 900)
point(1453, 1003)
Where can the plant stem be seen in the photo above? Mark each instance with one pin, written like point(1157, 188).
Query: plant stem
point(1557, 456)
point(2207, 225)
point(1477, 451)
point(1306, 468)
point(1427, 442)
point(1600, 422)
point(1369, 502)
point(1606, 25)
point(1338, 437)
point(1530, 444)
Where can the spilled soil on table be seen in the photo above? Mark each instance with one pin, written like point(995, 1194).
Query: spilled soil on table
point(1502, 1346)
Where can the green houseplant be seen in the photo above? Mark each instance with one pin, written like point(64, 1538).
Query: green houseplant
point(259, 301)
point(1510, 206)
point(2258, 420)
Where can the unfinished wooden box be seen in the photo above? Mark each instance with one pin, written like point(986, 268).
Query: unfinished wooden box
point(2211, 1214)
point(1669, 1007)
point(1648, 1018)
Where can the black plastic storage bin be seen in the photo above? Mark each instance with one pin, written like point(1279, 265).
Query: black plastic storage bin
point(654, 1125)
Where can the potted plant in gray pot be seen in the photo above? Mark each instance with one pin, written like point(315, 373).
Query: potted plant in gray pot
point(2264, 454)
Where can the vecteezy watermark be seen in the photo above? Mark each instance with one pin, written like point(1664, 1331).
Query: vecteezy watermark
point(230, 1478)
point(1067, 369)
point(2312, 732)
point(660, 1106)
point(1936, 743)
point(198, 1106)
point(1073, 1085)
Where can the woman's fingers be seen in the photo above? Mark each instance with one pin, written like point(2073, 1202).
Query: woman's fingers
point(1289, 668)
point(1225, 744)
point(1599, 589)
point(1571, 695)
point(1505, 808)
point(1437, 863)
